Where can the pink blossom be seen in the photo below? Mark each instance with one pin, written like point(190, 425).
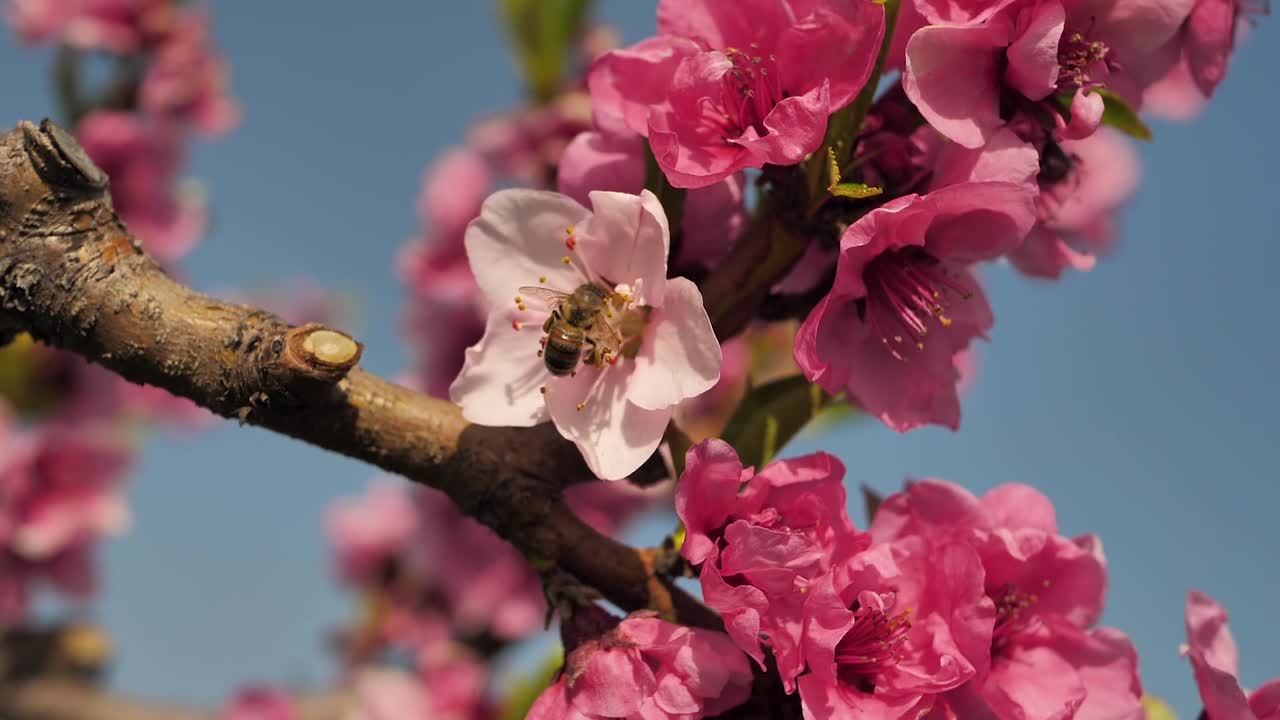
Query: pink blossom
point(60, 492)
point(1189, 68)
point(1077, 203)
point(1082, 184)
point(119, 26)
point(404, 544)
point(905, 303)
point(762, 540)
point(728, 85)
point(616, 407)
point(1046, 659)
point(648, 669)
point(368, 532)
point(958, 68)
point(526, 144)
point(445, 316)
point(437, 692)
point(608, 507)
point(1212, 651)
point(259, 703)
point(187, 79)
point(891, 629)
point(713, 216)
point(143, 161)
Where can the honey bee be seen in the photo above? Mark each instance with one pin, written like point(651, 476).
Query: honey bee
point(579, 320)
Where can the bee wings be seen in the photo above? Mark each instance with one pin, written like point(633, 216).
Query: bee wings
point(544, 296)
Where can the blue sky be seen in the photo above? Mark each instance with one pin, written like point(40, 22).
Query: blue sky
point(1140, 397)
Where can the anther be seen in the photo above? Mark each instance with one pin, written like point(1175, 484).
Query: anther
point(565, 260)
point(571, 242)
point(515, 324)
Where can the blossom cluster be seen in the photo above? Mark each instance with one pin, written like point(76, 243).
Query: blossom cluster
point(446, 610)
point(65, 428)
point(1002, 138)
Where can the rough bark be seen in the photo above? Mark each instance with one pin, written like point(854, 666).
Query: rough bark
point(72, 276)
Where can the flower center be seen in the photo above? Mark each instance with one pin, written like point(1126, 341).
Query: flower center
point(871, 646)
point(905, 289)
point(1013, 615)
point(751, 88)
point(1082, 63)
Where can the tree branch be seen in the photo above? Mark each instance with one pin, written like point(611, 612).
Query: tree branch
point(72, 276)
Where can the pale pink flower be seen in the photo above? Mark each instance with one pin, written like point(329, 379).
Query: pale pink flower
point(728, 84)
point(187, 80)
point(761, 540)
point(615, 409)
point(143, 160)
point(959, 68)
point(1212, 651)
point(648, 669)
point(119, 26)
point(259, 702)
point(905, 302)
point(1046, 659)
point(714, 216)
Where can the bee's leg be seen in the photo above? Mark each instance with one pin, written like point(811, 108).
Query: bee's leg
point(593, 356)
point(546, 326)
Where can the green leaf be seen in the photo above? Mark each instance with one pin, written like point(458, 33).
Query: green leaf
point(544, 34)
point(770, 415)
point(1157, 709)
point(1117, 114)
point(857, 191)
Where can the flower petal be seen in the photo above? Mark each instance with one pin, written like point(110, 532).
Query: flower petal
point(951, 77)
point(1033, 55)
point(680, 357)
point(520, 237)
point(501, 376)
point(626, 241)
point(614, 436)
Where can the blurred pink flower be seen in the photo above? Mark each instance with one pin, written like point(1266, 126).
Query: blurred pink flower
point(1046, 659)
point(615, 411)
point(367, 533)
point(714, 216)
point(187, 80)
point(905, 302)
point(648, 669)
point(445, 314)
point(143, 160)
point(1212, 651)
point(61, 491)
point(728, 85)
point(440, 692)
point(525, 145)
point(608, 507)
point(761, 540)
point(259, 702)
point(119, 26)
point(1189, 68)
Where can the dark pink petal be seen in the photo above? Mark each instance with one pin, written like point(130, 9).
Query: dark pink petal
point(979, 221)
point(952, 77)
point(1033, 55)
point(1209, 40)
point(740, 607)
point(1107, 663)
point(612, 683)
point(1033, 683)
point(1017, 506)
point(705, 495)
point(838, 42)
point(1265, 701)
point(719, 25)
point(1212, 652)
point(928, 507)
point(795, 128)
